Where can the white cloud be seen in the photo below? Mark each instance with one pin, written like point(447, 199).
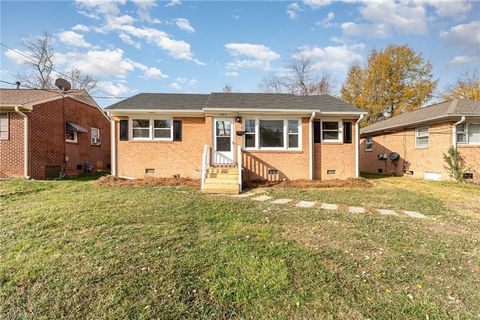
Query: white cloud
point(17, 56)
point(173, 3)
point(94, 7)
point(292, 10)
point(315, 4)
point(180, 82)
point(400, 16)
point(81, 28)
point(352, 29)
point(255, 56)
point(231, 74)
point(184, 24)
point(72, 38)
point(449, 8)
point(155, 73)
point(128, 40)
point(327, 21)
point(118, 89)
point(110, 62)
point(143, 10)
point(464, 59)
point(467, 38)
point(332, 58)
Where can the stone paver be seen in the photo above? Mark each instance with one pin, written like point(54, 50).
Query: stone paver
point(282, 201)
point(305, 204)
point(329, 206)
point(414, 214)
point(356, 210)
point(262, 198)
point(387, 212)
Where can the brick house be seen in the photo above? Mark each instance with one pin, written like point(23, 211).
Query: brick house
point(209, 136)
point(420, 138)
point(43, 133)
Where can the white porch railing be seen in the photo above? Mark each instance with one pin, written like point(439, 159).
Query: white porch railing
point(240, 167)
point(205, 163)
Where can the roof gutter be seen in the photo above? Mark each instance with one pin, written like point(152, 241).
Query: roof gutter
point(310, 146)
point(454, 132)
point(357, 146)
point(25, 142)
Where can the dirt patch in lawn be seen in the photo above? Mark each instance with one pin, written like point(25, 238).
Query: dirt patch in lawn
point(110, 181)
point(334, 183)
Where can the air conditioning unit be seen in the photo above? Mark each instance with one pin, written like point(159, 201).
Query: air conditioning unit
point(96, 141)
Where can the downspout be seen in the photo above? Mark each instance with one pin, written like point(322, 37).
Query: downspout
point(357, 146)
point(310, 147)
point(454, 132)
point(113, 143)
point(25, 143)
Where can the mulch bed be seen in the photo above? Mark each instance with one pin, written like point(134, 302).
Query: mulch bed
point(110, 181)
point(334, 183)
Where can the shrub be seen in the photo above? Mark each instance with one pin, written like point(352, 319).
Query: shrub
point(455, 164)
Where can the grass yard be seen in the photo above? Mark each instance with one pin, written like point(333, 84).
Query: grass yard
point(72, 250)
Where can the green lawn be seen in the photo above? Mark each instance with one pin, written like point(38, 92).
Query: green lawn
point(72, 250)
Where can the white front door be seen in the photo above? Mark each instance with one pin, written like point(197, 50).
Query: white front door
point(223, 141)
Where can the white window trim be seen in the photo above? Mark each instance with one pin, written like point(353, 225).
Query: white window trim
point(417, 130)
point(150, 128)
point(366, 143)
point(8, 126)
point(468, 138)
point(340, 131)
point(98, 136)
point(75, 136)
point(285, 133)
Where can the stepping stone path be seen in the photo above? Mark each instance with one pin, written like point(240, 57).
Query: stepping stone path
point(329, 206)
point(387, 212)
point(282, 201)
point(262, 198)
point(305, 204)
point(414, 214)
point(356, 209)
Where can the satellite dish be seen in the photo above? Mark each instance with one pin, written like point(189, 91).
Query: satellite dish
point(63, 84)
point(394, 156)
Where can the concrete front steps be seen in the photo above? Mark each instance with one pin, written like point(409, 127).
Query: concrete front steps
point(221, 180)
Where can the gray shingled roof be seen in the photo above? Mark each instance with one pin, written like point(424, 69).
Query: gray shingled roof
point(31, 96)
point(168, 101)
point(446, 109)
point(171, 101)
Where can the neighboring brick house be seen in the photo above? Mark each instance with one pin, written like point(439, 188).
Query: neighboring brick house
point(421, 138)
point(279, 136)
point(44, 133)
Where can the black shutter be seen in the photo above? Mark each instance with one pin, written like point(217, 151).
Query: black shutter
point(347, 132)
point(123, 130)
point(317, 132)
point(177, 130)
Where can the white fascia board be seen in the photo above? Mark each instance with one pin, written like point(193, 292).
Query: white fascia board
point(356, 113)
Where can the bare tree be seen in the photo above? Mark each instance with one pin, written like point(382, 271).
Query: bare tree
point(227, 88)
point(39, 64)
point(81, 80)
point(39, 72)
point(300, 79)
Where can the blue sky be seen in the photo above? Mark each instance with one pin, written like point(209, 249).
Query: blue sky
point(198, 46)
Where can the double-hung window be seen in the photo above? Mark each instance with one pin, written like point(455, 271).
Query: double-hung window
point(141, 128)
point(95, 136)
point(331, 131)
point(162, 129)
point(71, 134)
point(368, 144)
point(3, 126)
point(272, 134)
point(250, 136)
point(421, 137)
point(462, 134)
point(152, 129)
point(474, 133)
